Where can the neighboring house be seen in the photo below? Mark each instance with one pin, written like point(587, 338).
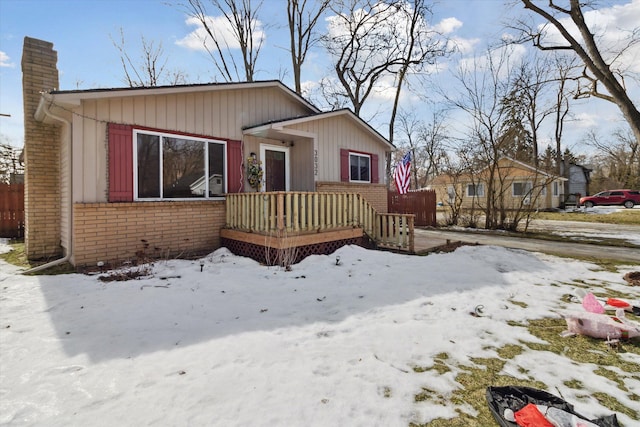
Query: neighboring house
point(112, 174)
point(519, 184)
point(579, 179)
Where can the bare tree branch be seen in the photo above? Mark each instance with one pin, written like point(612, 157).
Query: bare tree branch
point(242, 18)
point(151, 70)
point(302, 18)
point(590, 53)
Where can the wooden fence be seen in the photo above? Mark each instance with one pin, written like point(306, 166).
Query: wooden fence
point(11, 210)
point(421, 203)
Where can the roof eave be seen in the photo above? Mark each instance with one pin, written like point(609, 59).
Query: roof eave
point(75, 97)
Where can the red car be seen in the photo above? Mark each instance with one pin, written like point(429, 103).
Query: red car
point(628, 198)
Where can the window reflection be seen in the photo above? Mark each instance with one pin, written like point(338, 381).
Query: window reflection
point(171, 167)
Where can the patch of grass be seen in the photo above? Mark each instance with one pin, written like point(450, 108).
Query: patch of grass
point(509, 351)
point(574, 384)
point(432, 395)
point(386, 391)
point(516, 324)
point(580, 348)
point(438, 365)
point(598, 241)
point(608, 373)
point(623, 295)
point(475, 380)
point(583, 349)
point(487, 372)
point(604, 264)
point(519, 303)
point(630, 217)
point(613, 404)
point(18, 257)
point(64, 268)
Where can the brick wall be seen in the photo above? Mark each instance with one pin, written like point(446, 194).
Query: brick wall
point(114, 232)
point(41, 153)
point(375, 194)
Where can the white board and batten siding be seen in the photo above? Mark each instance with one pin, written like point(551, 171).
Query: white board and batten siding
point(216, 114)
point(335, 133)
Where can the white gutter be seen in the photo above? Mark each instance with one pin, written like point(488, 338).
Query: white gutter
point(43, 107)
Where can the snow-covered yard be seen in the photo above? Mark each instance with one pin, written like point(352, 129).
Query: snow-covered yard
point(334, 342)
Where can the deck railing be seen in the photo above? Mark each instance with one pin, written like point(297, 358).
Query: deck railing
point(306, 212)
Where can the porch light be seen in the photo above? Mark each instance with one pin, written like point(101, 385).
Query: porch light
point(201, 265)
point(338, 260)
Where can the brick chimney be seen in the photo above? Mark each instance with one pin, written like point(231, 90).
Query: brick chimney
point(41, 153)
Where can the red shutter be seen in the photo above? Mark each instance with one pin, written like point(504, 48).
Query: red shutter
point(374, 169)
point(234, 167)
point(344, 165)
point(120, 163)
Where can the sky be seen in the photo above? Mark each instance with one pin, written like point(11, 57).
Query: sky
point(346, 339)
point(82, 33)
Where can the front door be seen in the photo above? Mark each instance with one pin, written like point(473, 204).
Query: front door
point(276, 168)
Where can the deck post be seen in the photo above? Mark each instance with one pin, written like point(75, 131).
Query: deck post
point(280, 219)
point(411, 234)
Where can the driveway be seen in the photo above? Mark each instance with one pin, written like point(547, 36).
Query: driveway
point(433, 237)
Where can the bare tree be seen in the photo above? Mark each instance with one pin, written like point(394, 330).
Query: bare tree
point(484, 85)
point(597, 71)
point(563, 67)
point(618, 161)
point(361, 48)
point(533, 79)
point(482, 89)
point(456, 168)
point(11, 163)
point(150, 69)
point(376, 45)
point(241, 17)
point(426, 141)
point(419, 46)
point(409, 129)
point(303, 16)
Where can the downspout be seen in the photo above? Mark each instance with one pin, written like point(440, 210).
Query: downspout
point(67, 124)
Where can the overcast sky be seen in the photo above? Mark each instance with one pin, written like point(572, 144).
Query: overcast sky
point(82, 33)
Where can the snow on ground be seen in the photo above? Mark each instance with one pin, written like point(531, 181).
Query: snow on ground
point(606, 209)
point(585, 231)
point(330, 343)
point(577, 236)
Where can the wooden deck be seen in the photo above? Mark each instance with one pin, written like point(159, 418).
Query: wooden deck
point(289, 241)
point(284, 227)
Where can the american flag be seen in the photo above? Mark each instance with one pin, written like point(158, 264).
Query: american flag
point(401, 173)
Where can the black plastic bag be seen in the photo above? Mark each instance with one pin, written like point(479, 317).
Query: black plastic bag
point(516, 398)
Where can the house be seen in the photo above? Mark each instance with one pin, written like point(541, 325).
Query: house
point(518, 184)
point(114, 174)
point(578, 182)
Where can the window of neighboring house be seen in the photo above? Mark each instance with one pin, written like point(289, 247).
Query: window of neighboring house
point(520, 189)
point(476, 190)
point(359, 167)
point(556, 188)
point(168, 166)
